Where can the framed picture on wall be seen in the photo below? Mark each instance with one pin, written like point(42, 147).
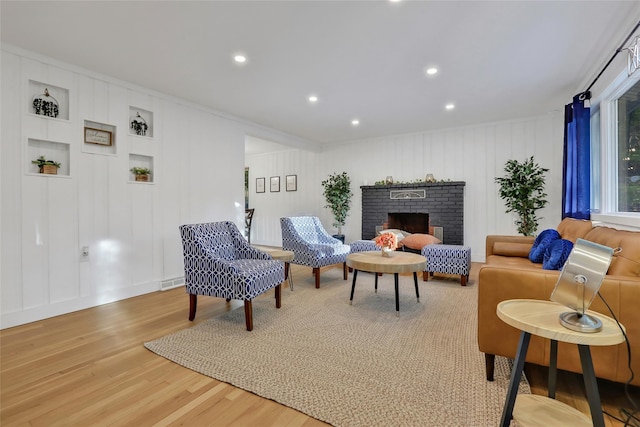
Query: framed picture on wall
point(260, 185)
point(291, 183)
point(275, 184)
point(97, 136)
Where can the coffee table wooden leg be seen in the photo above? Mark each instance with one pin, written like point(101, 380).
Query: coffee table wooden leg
point(353, 285)
point(376, 282)
point(395, 280)
point(415, 281)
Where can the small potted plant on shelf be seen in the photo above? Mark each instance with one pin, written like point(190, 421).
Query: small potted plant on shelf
point(46, 166)
point(141, 174)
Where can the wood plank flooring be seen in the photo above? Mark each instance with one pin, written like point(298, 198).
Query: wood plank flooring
point(89, 368)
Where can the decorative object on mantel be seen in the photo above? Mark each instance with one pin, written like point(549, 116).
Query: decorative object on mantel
point(46, 105)
point(415, 181)
point(139, 125)
point(387, 242)
point(46, 166)
point(389, 180)
point(141, 174)
point(523, 191)
point(430, 178)
point(337, 192)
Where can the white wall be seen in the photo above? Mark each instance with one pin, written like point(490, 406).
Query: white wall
point(474, 154)
point(131, 229)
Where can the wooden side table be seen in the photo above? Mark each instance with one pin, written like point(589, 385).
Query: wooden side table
point(281, 255)
point(541, 318)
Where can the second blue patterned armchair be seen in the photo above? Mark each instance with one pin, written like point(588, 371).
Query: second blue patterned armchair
point(219, 262)
point(312, 245)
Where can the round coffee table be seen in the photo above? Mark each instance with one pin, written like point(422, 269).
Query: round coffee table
point(398, 262)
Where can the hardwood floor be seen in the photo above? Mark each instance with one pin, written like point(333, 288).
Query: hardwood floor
point(89, 368)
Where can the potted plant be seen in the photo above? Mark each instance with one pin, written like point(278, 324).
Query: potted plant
point(142, 174)
point(337, 192)
point(46, 166)
point(523, 191)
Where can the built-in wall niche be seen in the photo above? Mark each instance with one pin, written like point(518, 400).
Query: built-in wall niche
point(99, 138)
point(138, 162)
point(140, 122)
point(48, 101)
point(57, 152)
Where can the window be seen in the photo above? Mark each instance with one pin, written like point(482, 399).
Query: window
point(615, 138)
point(628, 136)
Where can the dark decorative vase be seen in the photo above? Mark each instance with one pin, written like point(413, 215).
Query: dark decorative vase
point(339, 237)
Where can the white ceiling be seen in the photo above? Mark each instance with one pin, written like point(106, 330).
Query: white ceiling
point(363, 59)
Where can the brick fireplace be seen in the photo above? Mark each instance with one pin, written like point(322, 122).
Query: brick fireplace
point(442, 201)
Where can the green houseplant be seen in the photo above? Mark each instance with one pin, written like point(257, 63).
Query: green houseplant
point(522, 188)
point(46, 166)
point(141, 174)
point(337, 192)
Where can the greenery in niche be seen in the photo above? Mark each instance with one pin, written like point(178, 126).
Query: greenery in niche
point(42, 161)
point(522, 188)
point(140, 171)
point(337, 192)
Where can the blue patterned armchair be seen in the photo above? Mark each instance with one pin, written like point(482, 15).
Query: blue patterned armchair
point(219, 262)
point(312, 245)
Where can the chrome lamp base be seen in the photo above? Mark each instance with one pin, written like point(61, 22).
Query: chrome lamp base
point(580, 322)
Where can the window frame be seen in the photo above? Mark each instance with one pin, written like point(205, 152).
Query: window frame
point(604, 175)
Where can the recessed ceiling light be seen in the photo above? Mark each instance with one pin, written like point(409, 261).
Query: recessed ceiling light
point(431, 71)
point(313, 98)
point(449, 106)
point(240, 59)
point(355, 122)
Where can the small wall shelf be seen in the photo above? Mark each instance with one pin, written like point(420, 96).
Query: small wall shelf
point(48, 101)
point(141, 161)
point(99, 138)
point(140, 122)
point(51, 150)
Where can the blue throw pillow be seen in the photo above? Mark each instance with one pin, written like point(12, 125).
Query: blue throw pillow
point(557, 254)
point(541, 244)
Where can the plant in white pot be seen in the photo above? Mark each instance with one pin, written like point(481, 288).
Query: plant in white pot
point(337, 193)
point(141, 174)
point(46, 166)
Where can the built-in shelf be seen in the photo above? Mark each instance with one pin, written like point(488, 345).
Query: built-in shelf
point(99, 138)
point(140, 122)
point(51, 150)
point(141, 161)
point(48, 101)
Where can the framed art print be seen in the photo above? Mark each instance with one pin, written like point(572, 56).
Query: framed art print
point(260, 185)
point(97, 136)
point(275, 184)
point(291, 183)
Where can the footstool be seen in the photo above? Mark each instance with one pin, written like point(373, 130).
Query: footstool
point(449, 259)
point(363, 246)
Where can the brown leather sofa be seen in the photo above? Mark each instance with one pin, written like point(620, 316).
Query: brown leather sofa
point(508, 274)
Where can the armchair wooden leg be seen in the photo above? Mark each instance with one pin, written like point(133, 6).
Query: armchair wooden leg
point(278, 296)
point(345, 273)
point(193, 304)
point(425, 276)
point(316, 273)
point(489, 361)
point(248, 314)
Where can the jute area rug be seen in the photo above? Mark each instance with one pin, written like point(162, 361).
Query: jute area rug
point(355, 365)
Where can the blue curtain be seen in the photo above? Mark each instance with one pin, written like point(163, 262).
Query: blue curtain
point(576, 169)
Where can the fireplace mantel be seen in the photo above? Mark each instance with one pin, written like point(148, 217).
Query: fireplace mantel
point(443, 201)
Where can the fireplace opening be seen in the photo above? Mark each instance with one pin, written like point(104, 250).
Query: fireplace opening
point(410, 222)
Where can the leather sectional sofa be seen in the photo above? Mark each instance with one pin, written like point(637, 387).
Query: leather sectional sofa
point(508, 274)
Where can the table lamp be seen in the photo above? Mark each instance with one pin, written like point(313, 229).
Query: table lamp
point(579, 283)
